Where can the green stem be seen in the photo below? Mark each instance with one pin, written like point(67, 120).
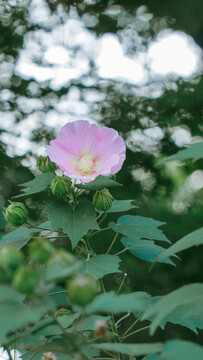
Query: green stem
point(131, 326)
point(121, 252)
point(9, 354)
point(54, 237)
point(122, 283)
point(114, 239)
point(38, 349)
point(103, 217)
point(97, 232)
point(57, 292)
point(113, 325)
point(136, 331)
point(41, 228)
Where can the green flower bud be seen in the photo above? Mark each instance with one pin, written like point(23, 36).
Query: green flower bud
point(103, 200)
point(61, 186)
point(41, 250)
point(25, 280)
point(5, 275)
point(10, 257)
point(45, 165)
point(82, 289)
point(16, 213)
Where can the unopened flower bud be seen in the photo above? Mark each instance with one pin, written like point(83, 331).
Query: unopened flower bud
point(41, 250)
point(103, 200)
point(48, 356)
point(10, 257)
point(61, 186)
point(25, 280)
point(100, 329)
point(45, 165)
point(16, 213)
point(82, 289)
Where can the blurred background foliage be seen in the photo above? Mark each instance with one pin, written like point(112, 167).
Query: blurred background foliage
point(156, 116)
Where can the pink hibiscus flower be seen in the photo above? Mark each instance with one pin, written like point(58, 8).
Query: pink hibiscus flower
point(84, 151)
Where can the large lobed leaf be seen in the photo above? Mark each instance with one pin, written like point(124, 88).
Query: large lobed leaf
point(17, 238)
point(74, 222)
point(193, 239)
point(131, 349)
point(179, 316)
point(189, 298)
point(146, 250)
point(99, 183)
point(178, 350)
point(138, 227)
point(56, 272)
point(137, 301)
point(100, 265)
point(38, 184)
point(171, 350)
point(195, 152)
point(121, 205)
point(14, 313)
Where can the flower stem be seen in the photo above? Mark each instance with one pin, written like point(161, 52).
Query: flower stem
point(97, 232)
point(57, 292)
point(113, 325)
point(41, 228)
point(122, 283)
point(131, 326)
point(136, 331)
point(114, 239)
point(122, 251)
point(103, 217)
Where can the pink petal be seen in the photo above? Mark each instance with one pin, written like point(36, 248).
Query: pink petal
point(84, 151)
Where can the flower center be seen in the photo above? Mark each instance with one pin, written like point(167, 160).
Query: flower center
point(86, 164)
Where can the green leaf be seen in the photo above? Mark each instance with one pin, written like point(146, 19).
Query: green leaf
point(2, 220)
point(145, 249)
point(56, 272)
point(88, 324)
point(67, 320)
point(193, 239)
point(178, 350)
point(188, 297)
point(18, 237)
point(100, 265)
point(14, 313)
point(122, 205)
point(99, 183)
point(38, 184)
point(89, 351)
point(181, 350)
point(137, 301)
point(195, 152)
point(131, 349)
point(179, 316)
point(137, 228)
point(74, 222)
